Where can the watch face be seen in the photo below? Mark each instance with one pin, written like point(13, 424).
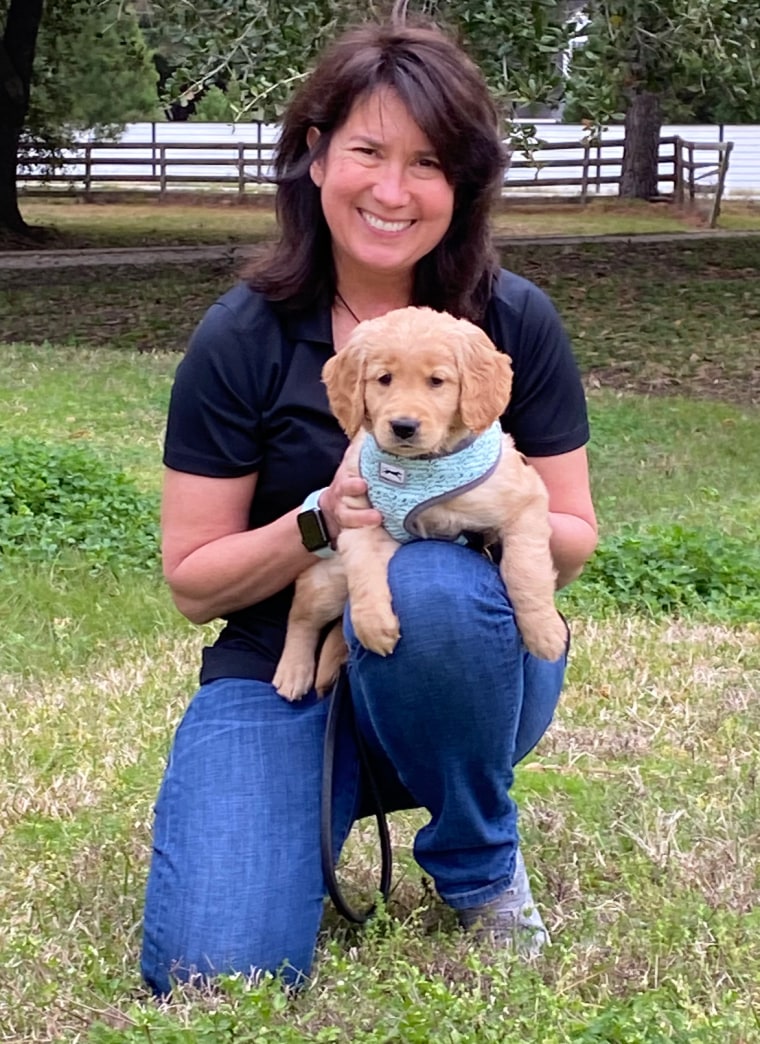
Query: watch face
point(313, 530)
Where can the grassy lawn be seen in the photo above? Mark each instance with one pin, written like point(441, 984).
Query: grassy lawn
point(75, 223)
point(639, 809)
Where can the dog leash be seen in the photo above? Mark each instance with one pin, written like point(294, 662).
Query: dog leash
point(340, 702)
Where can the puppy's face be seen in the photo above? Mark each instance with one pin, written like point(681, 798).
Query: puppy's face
point(411, 398)
point(419, 380)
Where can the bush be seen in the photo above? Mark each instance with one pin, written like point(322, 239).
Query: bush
point(220, 104)
point(60, 498)
point(669, 570)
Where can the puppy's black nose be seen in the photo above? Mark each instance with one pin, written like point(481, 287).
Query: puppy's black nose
point(404, 428)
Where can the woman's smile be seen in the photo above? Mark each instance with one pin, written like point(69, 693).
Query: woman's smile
point(383, 224)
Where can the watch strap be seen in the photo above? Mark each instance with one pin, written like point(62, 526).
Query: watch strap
point(312, 501)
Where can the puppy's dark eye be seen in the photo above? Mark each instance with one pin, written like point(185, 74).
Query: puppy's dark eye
point(436, 382)
point(384, 379)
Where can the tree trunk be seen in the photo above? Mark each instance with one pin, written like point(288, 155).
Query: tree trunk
point(10, 215)
point(17, 47)
point(643, 122)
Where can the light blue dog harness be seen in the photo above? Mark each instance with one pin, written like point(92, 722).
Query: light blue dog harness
point(401, 488)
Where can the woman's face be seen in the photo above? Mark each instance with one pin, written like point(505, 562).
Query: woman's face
point(384, 196)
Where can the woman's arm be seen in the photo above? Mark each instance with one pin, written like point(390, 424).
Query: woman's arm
point(212, 562)
point(574, 530)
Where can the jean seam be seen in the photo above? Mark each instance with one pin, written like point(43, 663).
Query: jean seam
point(159, 885)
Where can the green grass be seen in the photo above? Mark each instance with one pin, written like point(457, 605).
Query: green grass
point(639, 809)
point(150, 222)
point(76, 223)
point(114, 402)
point(673, 455)
point(740, 216)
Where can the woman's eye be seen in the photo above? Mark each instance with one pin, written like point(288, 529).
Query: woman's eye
point(384, 379)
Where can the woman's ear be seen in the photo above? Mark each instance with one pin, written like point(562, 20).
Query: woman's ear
point(316, 170)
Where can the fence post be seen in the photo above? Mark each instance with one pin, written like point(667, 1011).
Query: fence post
point(87, 169)
point(241, 168)
point(162, 169)
point(584, 175)
point(678, 170)
point(722, 171)
point(692, 182)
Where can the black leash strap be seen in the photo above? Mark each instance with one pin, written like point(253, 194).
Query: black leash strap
point(340, 702)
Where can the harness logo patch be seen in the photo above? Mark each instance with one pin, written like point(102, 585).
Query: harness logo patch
point(391, 473)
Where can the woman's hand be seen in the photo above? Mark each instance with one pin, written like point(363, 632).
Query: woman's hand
point(344, 502)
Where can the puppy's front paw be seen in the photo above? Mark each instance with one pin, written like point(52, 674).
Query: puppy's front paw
point(376, 627)
point(293, 677)
point(544, 636)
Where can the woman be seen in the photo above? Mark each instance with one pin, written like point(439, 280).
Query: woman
point(389, 161)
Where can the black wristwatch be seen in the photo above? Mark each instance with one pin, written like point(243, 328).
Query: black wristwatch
point(315, 535)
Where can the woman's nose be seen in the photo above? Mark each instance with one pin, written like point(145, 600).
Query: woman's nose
point(390, 186)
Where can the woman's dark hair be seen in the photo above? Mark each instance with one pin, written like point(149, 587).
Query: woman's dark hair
point(448, 99)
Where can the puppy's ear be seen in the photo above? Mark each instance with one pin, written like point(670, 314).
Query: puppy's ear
point(485, 376)
point(344, 378)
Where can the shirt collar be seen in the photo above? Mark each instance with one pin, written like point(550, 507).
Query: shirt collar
point(311, 324)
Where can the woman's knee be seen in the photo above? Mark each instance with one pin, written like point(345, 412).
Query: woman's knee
point(460, 652)
point(459, 649)
point(448, 595)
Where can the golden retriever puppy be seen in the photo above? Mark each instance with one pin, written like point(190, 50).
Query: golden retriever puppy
point(420, 394)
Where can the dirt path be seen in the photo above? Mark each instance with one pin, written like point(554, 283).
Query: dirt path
point(234, 253)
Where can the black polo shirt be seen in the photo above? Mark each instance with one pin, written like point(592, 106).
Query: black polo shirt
point(248, 397)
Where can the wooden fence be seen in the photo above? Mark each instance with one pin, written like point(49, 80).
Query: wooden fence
point(587, 166)
point(692, 174)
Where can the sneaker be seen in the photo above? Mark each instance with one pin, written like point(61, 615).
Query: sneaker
point(511, 919)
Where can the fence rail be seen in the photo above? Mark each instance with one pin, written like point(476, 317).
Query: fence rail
point(586, 165)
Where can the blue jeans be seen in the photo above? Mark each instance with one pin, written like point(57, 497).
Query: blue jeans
point(235, 882)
